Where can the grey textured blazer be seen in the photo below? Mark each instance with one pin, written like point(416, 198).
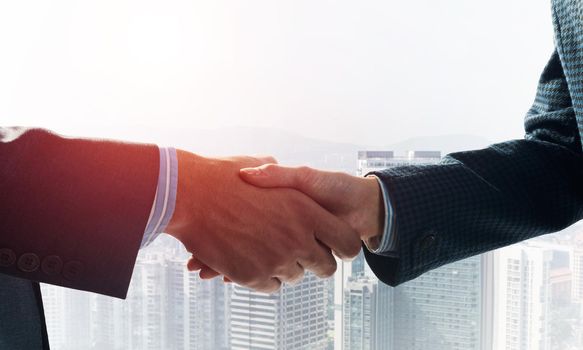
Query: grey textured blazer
point(73, 213)
point(480, 200)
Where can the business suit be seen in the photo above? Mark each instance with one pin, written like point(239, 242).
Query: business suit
point(480, 200)
point(73, 213)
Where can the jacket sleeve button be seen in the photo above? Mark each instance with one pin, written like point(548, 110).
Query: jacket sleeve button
point(72, 270)
point(28, 262)
point(427, 243)
point(7, 257)
point(52, 265)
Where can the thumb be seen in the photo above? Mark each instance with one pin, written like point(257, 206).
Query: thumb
point(273, 175)
point(322, 186)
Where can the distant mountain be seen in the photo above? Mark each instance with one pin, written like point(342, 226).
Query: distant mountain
point(291, 148)
point(288, 148)
point(445, 143)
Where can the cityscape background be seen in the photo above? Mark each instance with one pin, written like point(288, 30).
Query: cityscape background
point(527, 296)
point(310, 82)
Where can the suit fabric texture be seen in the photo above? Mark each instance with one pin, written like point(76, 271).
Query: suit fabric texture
point(73, 213)
point(480, 200)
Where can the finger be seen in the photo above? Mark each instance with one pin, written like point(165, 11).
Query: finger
point(326, 188)
point(336, 234)
point(194, 264)
point(272, 285)
point(292, 274)
point(227, 279)
point(320, 261)
point(268, 175)
point(206, 273)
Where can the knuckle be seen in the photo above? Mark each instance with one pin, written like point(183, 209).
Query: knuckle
point(283, 272)
point(247, 279)
point(330, 269)
point(304, 172)
point(325, 272)
point(343, 256)
point(303, 176)
point(324, 268)
point(353, 250)
point(269, 167)
point(297, 276)
point(349, 248)
point(290, 272)
point(244, 280)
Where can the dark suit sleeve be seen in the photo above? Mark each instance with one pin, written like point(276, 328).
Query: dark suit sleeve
point(73, 211)
point(480, 200)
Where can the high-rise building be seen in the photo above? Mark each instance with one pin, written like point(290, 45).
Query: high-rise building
point(377, 160)
point(577, 268)
point(442, 309)
point(561, 286)
point(293, 318)
point(110, 323)
point(206, 309)
point(67, 313)
point(167, 308)
point(149, 302)
point(359, 313)
point(523, 300)
point(367, 314)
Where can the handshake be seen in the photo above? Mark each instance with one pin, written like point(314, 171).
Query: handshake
point(260, 224)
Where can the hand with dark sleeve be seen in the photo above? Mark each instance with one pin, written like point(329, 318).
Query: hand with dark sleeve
point(470, 203)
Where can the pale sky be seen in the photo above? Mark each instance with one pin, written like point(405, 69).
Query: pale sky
point(368, 71)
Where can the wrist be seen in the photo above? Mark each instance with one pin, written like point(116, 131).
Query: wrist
point(182, 215)
point(370, 210)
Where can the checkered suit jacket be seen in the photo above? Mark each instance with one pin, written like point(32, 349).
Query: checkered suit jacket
point(480, 200)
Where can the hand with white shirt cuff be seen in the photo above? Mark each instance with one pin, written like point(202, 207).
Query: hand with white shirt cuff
point(256, 237)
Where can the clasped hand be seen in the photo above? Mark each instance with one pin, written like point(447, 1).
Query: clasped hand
point(260, 224)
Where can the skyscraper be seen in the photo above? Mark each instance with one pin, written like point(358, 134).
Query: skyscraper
point(359, 313)
point(167, 308)
point(441, 310)
point(523, 298)
point(293, 318)
point(367, 314)
point(67, 312)
point(577, 268)
point(206, 307)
